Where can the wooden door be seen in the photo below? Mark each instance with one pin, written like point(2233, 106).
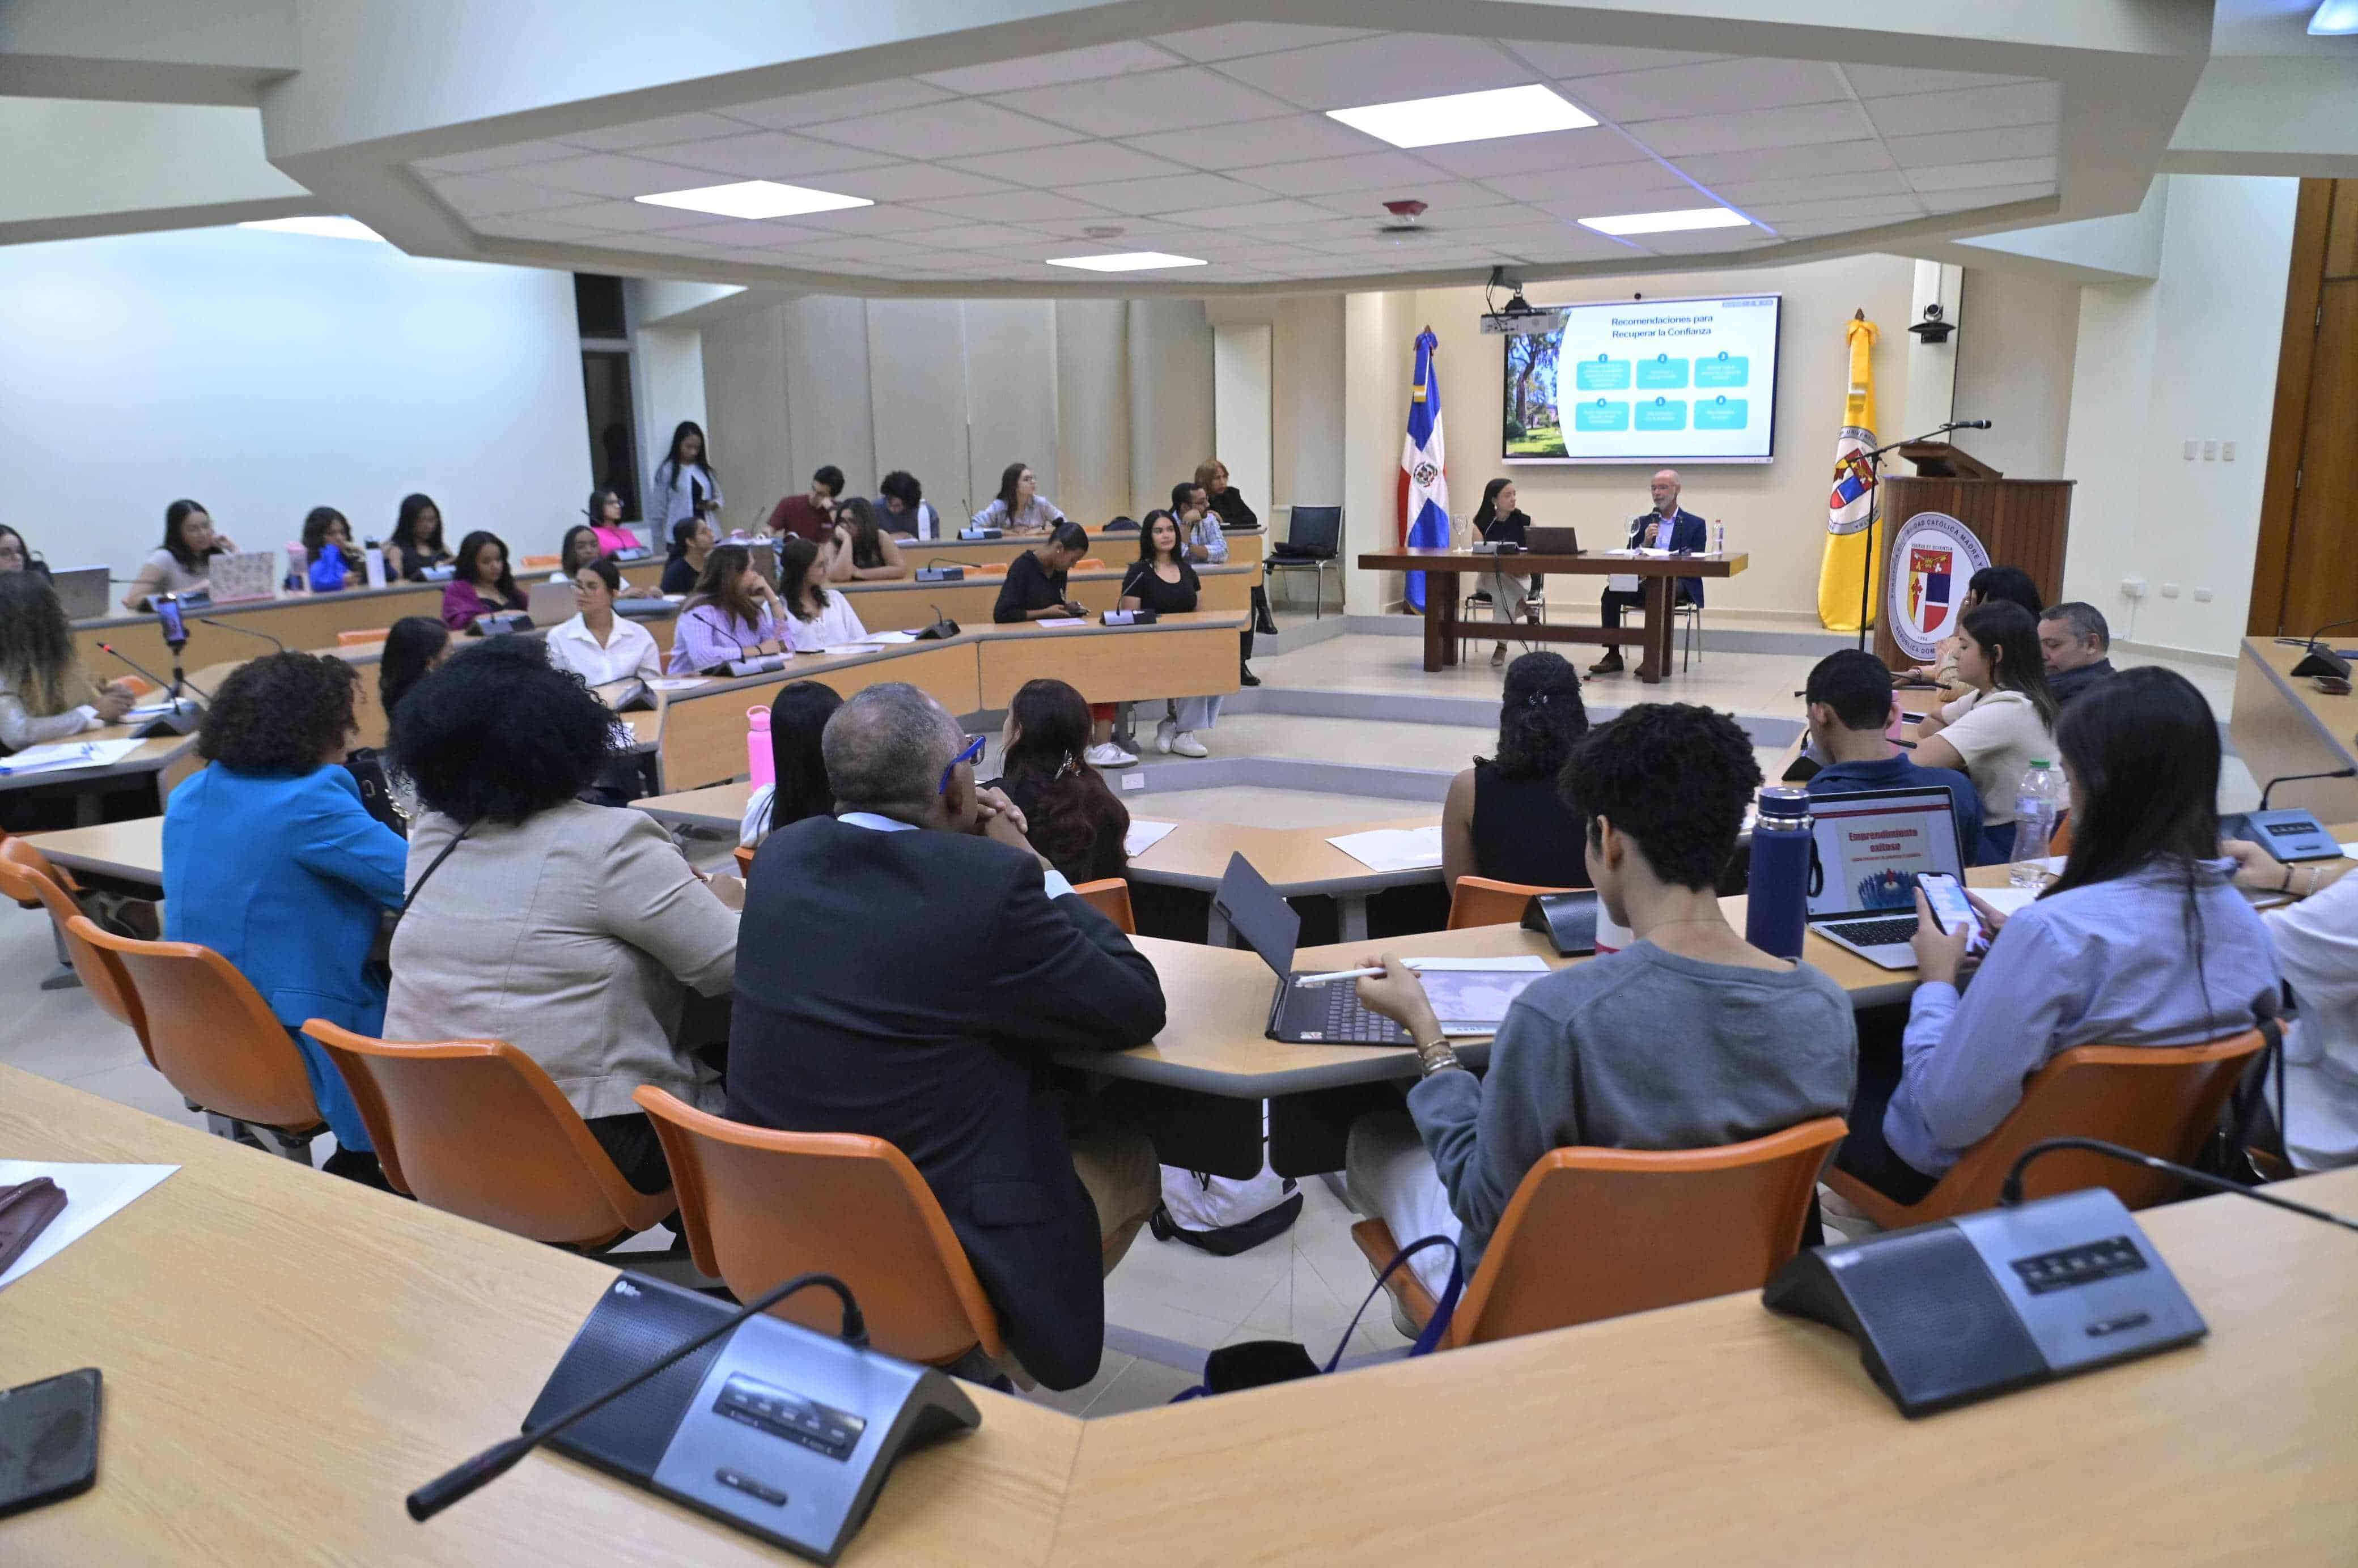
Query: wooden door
point(2306, 574)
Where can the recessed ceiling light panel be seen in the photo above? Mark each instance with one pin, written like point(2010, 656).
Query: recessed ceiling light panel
point(1667, 222)
point(755, 198)
point(319, 227)
point(1127, 261)
point(2334, 19)
point(1465, 116)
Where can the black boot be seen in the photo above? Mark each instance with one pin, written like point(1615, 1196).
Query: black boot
point(1245, 676)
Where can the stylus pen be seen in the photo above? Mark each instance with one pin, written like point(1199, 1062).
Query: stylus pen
point(1337, 975)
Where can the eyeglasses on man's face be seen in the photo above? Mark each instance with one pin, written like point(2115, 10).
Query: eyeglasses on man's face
point(971, 753)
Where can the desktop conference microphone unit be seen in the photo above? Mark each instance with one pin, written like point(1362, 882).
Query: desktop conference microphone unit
point(939, 570)
point(181, 718)
point(2324, 661)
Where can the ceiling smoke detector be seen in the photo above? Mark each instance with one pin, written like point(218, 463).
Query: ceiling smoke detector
point(1405, 216)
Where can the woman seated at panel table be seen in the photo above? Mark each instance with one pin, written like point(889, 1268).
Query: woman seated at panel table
point(181, 564)
point(571, 931)
point(416, 547)
point(798, 716)
point(483, 585)
point(2004, 721)
point(1499, 521)
point(16, 556)
point(328, 546)
point(44, 695)
point(1019, 507)
point(816, 617)
point(1160, 579)
point(692, 541)
point(1070, 816)
point(299, 921)
point(733, 614)
point(1504, 818)
point(605, 514)
point(598, 645)
point(583, 545)
point(859, 550)
point(2140, 942)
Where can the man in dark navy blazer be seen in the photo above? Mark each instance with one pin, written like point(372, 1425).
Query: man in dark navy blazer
point(1664, 528)
point(907, 969)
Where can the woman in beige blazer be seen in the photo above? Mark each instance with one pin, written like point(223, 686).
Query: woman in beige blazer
point(573, 931)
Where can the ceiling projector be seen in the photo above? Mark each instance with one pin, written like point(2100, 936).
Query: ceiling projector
point(1520, 317)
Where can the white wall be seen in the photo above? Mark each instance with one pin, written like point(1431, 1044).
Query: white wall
point(1170, 397)
point(2191, 356)
point(264, 374)
point(1306, 398)
point(2016, 343)
point(667, 386)
point(1379, 332)
point(1240, 405)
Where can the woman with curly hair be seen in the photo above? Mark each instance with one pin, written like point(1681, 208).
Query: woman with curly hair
point(1504, 818)
point(299, 920)
point(46, 698)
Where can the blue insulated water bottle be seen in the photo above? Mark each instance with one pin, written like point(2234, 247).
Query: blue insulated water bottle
point(1778, 906)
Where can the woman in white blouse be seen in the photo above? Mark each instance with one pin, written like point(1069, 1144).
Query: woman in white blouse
point(815, 618)
point(685, 485)
point(2003, 724)
point(597, 644)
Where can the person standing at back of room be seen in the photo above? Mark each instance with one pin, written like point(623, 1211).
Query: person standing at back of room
point(810, 517)
point(685, 482)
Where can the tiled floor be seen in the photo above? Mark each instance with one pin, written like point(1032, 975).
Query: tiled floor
point(1301, 1286)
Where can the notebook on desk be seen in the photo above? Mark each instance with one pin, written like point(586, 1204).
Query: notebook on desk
point(1865, 849)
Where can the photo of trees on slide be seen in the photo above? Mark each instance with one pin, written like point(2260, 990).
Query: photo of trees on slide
point(1534, 427)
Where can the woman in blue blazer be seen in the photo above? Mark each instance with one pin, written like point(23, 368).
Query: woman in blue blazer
point(270, 860)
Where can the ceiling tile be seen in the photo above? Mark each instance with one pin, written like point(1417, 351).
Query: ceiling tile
point(1563, 243)
point(1564, 61)
point(1443, 200)
point(1804, 125)
point(1861, 209)
point(1787, 163)
point(1251, 214)
point(877, 251)
point(1065, 66)
point(966, 125)
point(873, 219)
point(1614, 183)
point(770, 155)
point(482, 195)
point(1075, 163)
point(609, 174)
point(636, 217)
point(1382, 70)
point(1140, 234)
point(1258, 142)
point(1977, 109)
point(976, 236)
point(666, 243)
point(1975, 146)
point(1726, 86)
point(1325, 175)
point(1899, 80)
point(835, 104)
point(1170, 194)
point(1701, 242)
point(1965, 200)
point(1018, 207)
point(1137, 105)
point(1973, 175)
point(741, 233)
point(1754, 194)
point(484, 160)
point(913, 182)
point(1529, 154)
point(1230, 39)
point(533, 228)
point(654, 133)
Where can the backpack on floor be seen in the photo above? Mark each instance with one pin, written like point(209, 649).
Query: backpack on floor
point(1222, 1216)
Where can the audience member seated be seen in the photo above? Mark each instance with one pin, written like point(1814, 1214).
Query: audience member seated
point(1034, 586)
point(903, 509)
point(1668, 527)
point(1071, 818)
point(2317, 943)
point(1162, 580)
point(2077, 644)
point(598, 645)
point(691, 545)
point(1499, 521)
point(950, 1059)
point(816, 618)
point(1505, 817)
point(1199, 526)
point(1850, 707)
point(2140, 942)
point(180, 564)
point(572, 932)
point(482, 585)
point(15, 555)
point(416, 544)
point(44, 696)
point(859, 550)
point(272, 861)
point(414, 646)
point(809, 516)
point(2004, 721)
point(605, 514)
point(686, 484)
point(798, 715)
point(1019, 507)
point(584, 546)
point(1991, 585)
point(1226, 498)
point(1688, 1038)
point(328, 546)
point(734, 614)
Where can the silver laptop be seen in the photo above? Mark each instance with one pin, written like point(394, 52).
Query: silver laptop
point(1866, 850)
point(551, 604)
point(82, 591)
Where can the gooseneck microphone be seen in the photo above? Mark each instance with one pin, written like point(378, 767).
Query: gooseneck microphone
point(241, 631)
point(2296, 778)
point(161, 684)
point(500, 1457)
point(2010, 1192)
point(1971, 425)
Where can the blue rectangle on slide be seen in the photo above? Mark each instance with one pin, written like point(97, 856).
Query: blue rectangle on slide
point(1603, 374)
point(1600, 413)
point(1662, 414)
point(1661, 372)
point(1723, 369)
point(1721, 412)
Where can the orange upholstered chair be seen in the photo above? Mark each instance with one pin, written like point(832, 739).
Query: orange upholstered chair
point(1478, 900)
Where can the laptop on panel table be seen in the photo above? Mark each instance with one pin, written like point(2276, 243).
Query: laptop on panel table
point(1328, 1013)
point(1864, 852)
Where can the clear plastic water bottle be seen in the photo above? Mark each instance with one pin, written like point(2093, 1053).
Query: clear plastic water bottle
point(2037, 801)
point(1719, 539)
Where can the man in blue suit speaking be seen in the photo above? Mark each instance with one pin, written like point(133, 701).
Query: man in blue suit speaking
point(1664, 528)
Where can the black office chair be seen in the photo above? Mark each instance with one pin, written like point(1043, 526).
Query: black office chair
point(1313, 537)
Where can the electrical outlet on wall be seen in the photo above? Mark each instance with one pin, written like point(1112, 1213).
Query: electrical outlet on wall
point(2209, 451)
point(2133, 587)
point(2201, 596)
point(2226, 451)
point(2191, 448)
point(2169, 590)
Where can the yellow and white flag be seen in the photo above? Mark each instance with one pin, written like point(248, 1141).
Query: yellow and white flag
point(1852, 500)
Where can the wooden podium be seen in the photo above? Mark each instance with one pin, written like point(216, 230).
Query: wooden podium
point(2020, 522)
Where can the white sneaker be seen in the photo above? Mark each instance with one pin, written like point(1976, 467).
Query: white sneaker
point(1106, 754)
point(1187, 745)
point(1162, 733)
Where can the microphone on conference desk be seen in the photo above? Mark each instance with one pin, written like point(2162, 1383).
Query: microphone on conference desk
point(2009, 1194)
point(2295, 778)
point(241, 631)
point(2325, 661)
point(160, 682)
point(941, 631)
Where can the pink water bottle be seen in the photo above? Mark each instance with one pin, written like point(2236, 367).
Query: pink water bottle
point(760, 763)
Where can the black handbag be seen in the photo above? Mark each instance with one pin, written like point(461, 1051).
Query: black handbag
point(366, 764)
point(2227, 1152)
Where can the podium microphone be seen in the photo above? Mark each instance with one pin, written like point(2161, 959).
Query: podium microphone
point(161, 684)
point(241, 631)
point(500, 1457)
point(2010, 1193)
point(1971, 425)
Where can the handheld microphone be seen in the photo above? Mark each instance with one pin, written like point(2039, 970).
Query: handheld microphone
point(500, 1457)
point(161, 684)
point(241, 631)
point(2010, 1192)
point(2295, 778)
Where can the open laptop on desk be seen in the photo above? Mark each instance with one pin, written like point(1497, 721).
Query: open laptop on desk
point(551, 604)
point(81, 592)
point(1327, 1014)
point(1541, 541)
point(1866, 850)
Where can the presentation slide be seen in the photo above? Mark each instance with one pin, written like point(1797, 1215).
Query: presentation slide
point(1652, 381)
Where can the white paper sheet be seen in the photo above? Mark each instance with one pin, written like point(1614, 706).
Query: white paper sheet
point(1621, 582)
point(676, 683)
point(1145, 835)
point(2350, 851)
point(93, 1194)
point(66, 754)
point(1061, 620)
point(1518, 963)
point(892, 639)
point(1393, 849)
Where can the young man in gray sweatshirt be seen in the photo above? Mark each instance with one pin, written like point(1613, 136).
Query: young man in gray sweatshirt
point(1688, 1038)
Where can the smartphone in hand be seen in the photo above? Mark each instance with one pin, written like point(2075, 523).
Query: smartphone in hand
point(1951, 911)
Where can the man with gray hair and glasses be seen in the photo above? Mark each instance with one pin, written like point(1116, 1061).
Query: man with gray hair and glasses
point(909, 970)
point(2073, 641)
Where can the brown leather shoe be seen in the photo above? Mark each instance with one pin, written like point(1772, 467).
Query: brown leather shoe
point(1610, 665)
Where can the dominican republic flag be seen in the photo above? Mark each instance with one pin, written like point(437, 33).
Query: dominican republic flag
point(1424, 477)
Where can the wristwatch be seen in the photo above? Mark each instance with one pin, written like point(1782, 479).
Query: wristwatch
point(1436, 1057)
